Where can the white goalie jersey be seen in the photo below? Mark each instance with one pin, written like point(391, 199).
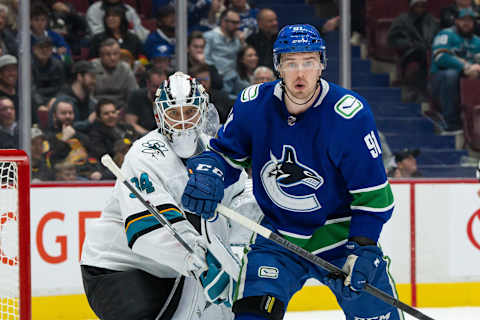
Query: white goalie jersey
point(127, 236)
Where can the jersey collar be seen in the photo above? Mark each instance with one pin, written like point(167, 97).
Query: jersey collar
point(325, 87)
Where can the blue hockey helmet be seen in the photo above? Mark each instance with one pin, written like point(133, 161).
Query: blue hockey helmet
point(299, 38)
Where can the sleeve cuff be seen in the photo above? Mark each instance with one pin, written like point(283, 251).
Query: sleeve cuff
point(365, 225)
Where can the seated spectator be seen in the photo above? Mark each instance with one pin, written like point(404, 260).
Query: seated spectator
point(115, 80)
point(405, 164)
point(8, 43)
point(71, 25)
point(203, 15)
point(448, 14)
point(223, 43)
point(70, 145)
point(96, 11)
point(218, 98)
point(107, 129)
point(263, 39)
point(162, 39)
point(248, 17)
point(116, 27)
point(263, 74)
point(139, 113)
point(65, 171)
point(80, 93)
point(12, 6)
point(196, 55)
point(39, 162)
point(39, 28)
point(411, 35)
point(48, 73)
point(456, 53)
point(8, 124)
point(8, 78)
point(120, 149)
point(247, 61)
point(162, 58)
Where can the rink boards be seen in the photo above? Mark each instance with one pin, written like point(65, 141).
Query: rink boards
point(433, 240)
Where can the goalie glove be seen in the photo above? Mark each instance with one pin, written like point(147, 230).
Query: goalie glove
point(218, 286)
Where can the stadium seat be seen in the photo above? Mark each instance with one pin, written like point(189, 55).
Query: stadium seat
point(379, 17)
point(132, 3)
point(42, 116)
point(435, 7)
point(150, 24)
point(145, 8)
point(80, 5)
point(470, 103)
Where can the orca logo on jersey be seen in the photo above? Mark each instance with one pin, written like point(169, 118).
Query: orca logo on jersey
point(278, 175)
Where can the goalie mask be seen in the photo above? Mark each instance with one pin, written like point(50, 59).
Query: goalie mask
point(180, 109)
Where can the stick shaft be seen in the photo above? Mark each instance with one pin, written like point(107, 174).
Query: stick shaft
point(266, 233)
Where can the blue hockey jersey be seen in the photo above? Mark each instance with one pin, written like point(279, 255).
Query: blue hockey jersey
point(318, 177)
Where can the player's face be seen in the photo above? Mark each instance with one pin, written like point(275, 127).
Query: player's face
point(182, 117)
point(300, 72)
point(109, 115)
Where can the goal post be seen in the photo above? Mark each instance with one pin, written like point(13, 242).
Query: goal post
point(15, 283)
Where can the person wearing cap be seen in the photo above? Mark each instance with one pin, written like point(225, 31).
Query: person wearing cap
point(411, 35)
point(80, 92)
point(455, 53)
point(8, 124)
point(39, 160)
point(116, 27)
point(448, 14)
point(8, 78)
point(164, 35)
point(115, 79)
point(405, 164)
point(162, 58)
point(96, 12)
point(48, 73)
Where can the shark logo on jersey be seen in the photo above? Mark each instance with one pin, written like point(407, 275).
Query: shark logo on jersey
point(278, 175)
point(155, 148)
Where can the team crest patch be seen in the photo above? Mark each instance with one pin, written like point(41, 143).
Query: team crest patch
point(268, 272)
point(155, 147)
point(348, 106)
point(249, 93)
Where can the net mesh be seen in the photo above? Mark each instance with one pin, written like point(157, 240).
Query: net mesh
point(9, 240)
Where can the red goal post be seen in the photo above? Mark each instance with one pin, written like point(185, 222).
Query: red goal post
point(15, 283)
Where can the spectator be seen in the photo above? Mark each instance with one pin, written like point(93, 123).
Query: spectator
point(448, 14)
point(71, 25)
point(139, 113)
point(12, 6)
point(196, 55)
point(162, 39)
point(107, 129)
point(162, 58)
point(96, 11)
point(264, 38)
point(120, 149)
point(39, 162)
point(456, 52)
point(80, 93)
point(70, 145)
point(39, 27)
point(248, 17)
point(116, 27)
point(263, 74)
point(235, 82)
point(218, 98)
point(405, 164)
point(203, 15)
point(223, 43)
point(411, 35)
point(8, 124)
point(8, 78)
point(8, 43)
point(115, 80)
point(48, 73)
point(65, 171)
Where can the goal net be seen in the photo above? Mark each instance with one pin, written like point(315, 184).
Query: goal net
point(14, 235)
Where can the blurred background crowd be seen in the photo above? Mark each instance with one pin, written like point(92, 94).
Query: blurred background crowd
point(97, 64)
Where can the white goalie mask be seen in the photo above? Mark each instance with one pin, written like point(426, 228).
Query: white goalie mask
point(180, 110)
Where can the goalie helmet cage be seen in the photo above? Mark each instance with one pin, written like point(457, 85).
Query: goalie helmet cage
point(15, 285)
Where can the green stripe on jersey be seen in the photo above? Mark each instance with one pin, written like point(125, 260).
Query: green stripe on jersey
point(247, 163)
point(326, 237)
point(381, 198)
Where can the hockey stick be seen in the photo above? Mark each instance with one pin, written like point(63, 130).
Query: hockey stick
point(267, 234)
point(107, 161)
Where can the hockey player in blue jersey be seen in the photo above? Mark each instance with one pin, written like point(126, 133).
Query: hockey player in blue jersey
point(317, 176)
